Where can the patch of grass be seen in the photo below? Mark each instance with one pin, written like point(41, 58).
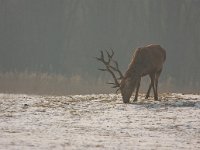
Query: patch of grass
point(50, 84)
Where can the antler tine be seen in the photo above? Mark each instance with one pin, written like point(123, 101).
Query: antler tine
point(112, 52)
point(114, 77)
point(108, 67)
point(116, 68)
point(102, 59)
point(110, 58)
point(102, 69)
point(102, 55)
point(114, 85)
point(110, 55)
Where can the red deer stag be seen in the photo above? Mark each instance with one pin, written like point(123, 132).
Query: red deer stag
point(146, 60)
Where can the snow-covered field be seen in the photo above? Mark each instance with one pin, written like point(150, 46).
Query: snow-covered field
point(99, 122)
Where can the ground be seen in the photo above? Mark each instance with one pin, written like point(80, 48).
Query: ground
point(99, 122)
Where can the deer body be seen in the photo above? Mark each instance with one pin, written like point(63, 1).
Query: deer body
point(146, 60)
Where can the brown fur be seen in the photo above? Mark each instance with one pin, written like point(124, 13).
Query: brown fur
point(146, 60)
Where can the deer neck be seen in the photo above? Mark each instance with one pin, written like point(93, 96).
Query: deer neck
point(133, 71)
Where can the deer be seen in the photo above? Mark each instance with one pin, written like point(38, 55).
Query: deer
point(147, 60)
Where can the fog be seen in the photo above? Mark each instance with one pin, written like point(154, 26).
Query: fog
point(50, 45)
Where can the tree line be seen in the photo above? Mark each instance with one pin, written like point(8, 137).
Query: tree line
point(63, 36)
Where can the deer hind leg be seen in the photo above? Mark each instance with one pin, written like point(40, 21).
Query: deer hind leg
point(137, 90)
point(156, 81)
point(152, 84)
point(152, 76)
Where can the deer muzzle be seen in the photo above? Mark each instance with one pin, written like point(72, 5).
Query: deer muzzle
point(126, 98)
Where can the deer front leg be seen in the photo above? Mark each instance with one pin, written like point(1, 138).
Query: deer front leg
point(150, 85)
point(148, 92)
point(155, 93)
point(137, 90)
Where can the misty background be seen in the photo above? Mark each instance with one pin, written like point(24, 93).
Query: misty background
point(48, 46)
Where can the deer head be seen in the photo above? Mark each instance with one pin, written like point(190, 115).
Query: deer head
point(125, 84)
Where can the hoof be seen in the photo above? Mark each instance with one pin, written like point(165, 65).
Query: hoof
point(135, 100)
point(125, 102)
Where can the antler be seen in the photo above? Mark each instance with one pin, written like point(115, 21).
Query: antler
point(110, 68)
point(116, 68)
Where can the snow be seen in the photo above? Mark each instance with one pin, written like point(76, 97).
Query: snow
point(99, 122)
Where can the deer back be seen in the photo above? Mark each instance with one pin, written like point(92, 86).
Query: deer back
point(147, 60)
